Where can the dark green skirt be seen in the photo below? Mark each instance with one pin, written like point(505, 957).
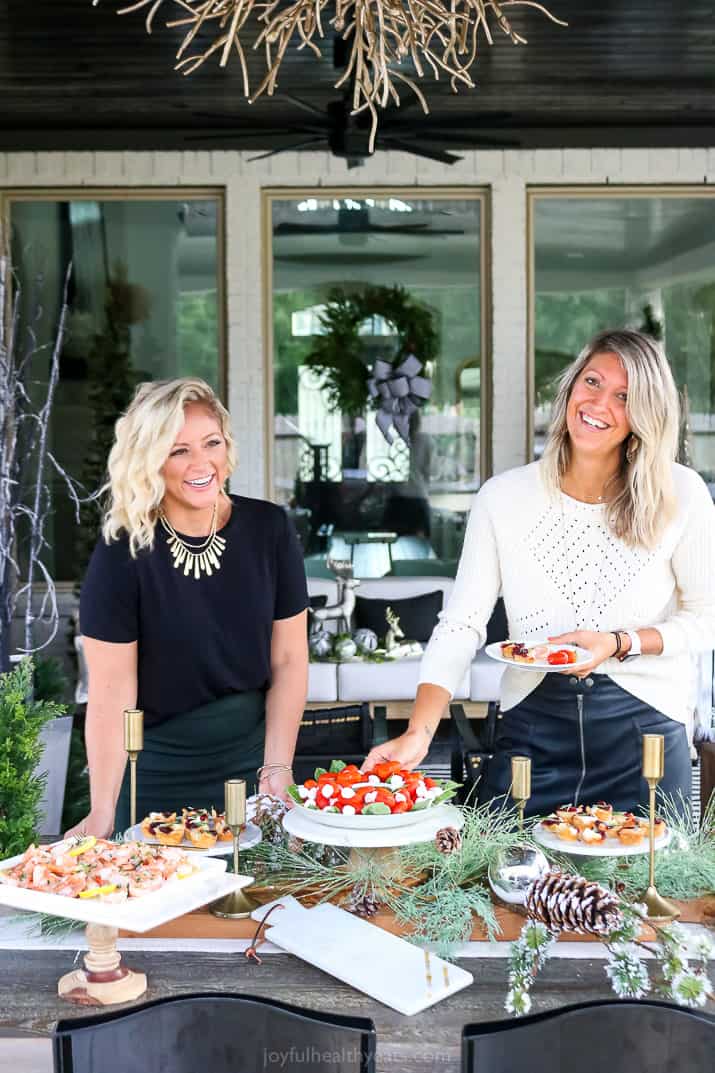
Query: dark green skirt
point(186, 760)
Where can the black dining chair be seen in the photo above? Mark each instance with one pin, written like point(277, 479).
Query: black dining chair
point(610, 1036)
point(214, 1032)
point(345, 732)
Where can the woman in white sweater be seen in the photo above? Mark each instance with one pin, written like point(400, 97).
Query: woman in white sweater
point(606, 543)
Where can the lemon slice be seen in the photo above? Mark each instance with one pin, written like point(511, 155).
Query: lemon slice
point(94, 892)
point(84, 845)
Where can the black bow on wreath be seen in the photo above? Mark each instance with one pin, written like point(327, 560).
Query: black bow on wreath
point(400, 392)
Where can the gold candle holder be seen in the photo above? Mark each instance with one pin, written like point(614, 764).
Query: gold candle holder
point(234, 905)
point(659, 908)
point(133, 743)
point(521, 783)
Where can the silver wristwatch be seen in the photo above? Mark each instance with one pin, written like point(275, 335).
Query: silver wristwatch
point(635, 649)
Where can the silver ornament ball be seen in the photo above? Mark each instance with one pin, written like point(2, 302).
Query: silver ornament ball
point(514, 870)
point(320, 644)
point(366, 640)
point(345, 648)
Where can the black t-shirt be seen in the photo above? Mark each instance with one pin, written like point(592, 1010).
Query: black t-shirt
point(198, 640)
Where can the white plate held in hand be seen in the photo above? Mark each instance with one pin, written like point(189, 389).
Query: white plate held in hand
point(583, 657)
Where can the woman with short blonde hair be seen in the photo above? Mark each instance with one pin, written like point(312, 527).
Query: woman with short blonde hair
point(193, 609)
point(605, 543)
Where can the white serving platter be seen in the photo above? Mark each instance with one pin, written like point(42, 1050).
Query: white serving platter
point(604, 849)
point(180, 896)
point(584, 657)
point(388, 968)
point(250, 836)
point(301, 822)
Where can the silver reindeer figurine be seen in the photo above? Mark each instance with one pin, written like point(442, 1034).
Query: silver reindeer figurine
point(343, 610)
point(394, 633)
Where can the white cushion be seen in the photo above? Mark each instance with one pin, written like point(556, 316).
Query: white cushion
point(322, 682)
point(323, 586)
point(485, 678)
point(401, 588)
point(393, 680)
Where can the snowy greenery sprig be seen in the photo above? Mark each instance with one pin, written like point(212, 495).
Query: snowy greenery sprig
point(681, 955)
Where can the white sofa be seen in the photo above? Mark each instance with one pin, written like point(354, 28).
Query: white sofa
point(395, 680)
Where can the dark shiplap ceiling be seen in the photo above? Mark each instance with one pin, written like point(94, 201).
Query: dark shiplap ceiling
point(624, 73)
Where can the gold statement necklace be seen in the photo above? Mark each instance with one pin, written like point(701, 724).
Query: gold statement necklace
point(204, 558)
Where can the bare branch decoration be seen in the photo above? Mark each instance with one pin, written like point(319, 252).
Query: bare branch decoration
point(444, 35)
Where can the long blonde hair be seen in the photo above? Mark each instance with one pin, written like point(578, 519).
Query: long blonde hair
point(644, 502)
point(144, 435)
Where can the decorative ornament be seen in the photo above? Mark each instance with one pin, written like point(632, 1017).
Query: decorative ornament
point(269, 817)
point(572, 903)
point(398, 392)
point(514, 871)
point(362, 902)
point(295, 844)
point(365, 640)
point(448, 840)
point(394, 631)
point(339, 351)
point(320, 644)
point(345, 648)
point(202, 559)
point(384, 38)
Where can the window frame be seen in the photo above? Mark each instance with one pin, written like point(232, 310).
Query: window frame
point(9, 195)
point(435, 193)
point(591, 191)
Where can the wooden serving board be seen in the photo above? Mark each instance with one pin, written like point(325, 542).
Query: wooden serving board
point(201, 924)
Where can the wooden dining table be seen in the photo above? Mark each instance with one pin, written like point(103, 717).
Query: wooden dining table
point(424, 1043)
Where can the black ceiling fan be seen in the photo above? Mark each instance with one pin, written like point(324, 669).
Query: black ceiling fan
point(355, 220)
point(348, 136)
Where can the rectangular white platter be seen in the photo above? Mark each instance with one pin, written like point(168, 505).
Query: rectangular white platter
point(175, 898)
point(390, 969)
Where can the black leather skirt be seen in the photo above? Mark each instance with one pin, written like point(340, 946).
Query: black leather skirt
point(584, 740)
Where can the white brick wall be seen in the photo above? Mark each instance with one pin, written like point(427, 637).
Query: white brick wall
point(507, 173)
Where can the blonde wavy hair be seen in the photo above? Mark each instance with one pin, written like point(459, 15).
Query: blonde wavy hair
point(143, 438)
point(644, 500)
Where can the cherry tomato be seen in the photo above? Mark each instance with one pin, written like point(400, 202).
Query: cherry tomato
point(573, 658)
point(383, 771)
point(429, 783)
point(309, 784)
point(558, 659)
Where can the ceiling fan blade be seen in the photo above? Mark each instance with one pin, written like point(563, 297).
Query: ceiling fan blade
point(421, 150)
point(312, 109)
point(287, 228)
point(459, 141)
point(287, 148)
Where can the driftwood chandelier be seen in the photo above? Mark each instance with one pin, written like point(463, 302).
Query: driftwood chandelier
point(441, 36)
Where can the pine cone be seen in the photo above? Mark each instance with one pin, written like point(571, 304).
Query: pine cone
point(269, 817)
point(362, 902)
point(448, 840)
point(295, 844)
point(572, 903)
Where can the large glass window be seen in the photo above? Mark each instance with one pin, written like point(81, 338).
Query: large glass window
point(144, 304)
point(640, 258)
point(354, 495)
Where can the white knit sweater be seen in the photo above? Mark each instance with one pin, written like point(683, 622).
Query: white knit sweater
point(559, 568)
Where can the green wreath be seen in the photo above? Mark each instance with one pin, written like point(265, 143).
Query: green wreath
point(340, 353)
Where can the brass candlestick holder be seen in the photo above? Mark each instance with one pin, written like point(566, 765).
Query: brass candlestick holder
point(133, 743)
point(521, 783)
point(234, 905)
point(659, 908)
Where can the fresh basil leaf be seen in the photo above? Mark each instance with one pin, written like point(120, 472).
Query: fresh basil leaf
point(377, 808)
point(293, 791)
point(318, 772)
point(336, 766)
